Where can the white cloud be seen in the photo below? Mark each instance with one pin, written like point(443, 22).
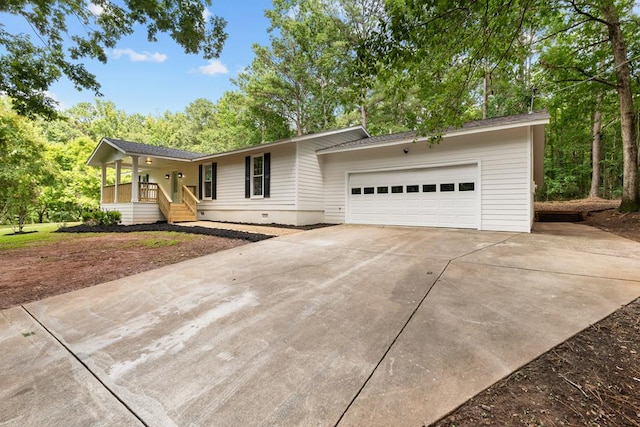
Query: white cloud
point(206, 14)
point(60, 106)
point(95, 9)
point(139, 56)
point(212, 68)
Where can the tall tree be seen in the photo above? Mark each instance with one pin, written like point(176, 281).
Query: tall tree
point(630, 184)
point(23, 168)
point(359, 20)
point(28, 67)
point(446, 47)
point(300, 74)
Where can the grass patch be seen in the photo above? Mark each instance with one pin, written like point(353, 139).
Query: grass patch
point(34, 234)
point(159, 243)
point(156, 239)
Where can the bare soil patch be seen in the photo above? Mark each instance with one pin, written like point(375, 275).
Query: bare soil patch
point(38, 271)
point(592, 379)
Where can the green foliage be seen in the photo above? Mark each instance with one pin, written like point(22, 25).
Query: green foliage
point(28, 68)
point(394, 66)
point(499, 58)
point(101, 218)
point(23, 168)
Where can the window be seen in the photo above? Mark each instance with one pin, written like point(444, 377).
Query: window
point(383, 190)
point(396, 189)
point(207, 181)
point(257, 176)
point(413, 188)
point(368, 190)
point(447, 187)
point(466, 186)
point(429, 188)
point(357, 190)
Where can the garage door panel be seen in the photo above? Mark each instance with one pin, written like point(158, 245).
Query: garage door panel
point(418, 197)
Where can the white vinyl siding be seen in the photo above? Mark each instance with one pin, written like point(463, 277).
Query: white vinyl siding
point(136, 213)
point(310, 186)
point(503, 185)
point(231, 182)
point(310, 193)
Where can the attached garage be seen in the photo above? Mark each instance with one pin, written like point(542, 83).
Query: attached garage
point(481, 176)
point(437, 197)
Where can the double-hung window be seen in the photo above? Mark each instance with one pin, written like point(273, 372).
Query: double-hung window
point(207, 177)
point(257, 176)
point(207, 181)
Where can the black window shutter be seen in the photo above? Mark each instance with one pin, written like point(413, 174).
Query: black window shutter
point(200, 182)
point(247, 177)
point(214, 180)
point(267, 174)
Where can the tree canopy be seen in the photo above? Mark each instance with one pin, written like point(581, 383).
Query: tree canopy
point(64, 32)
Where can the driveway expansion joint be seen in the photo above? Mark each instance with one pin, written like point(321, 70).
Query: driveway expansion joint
point(395, 339)
point(84, 365)
point(537, 270)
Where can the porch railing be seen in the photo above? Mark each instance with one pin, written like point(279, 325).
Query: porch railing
point(109, 194)
point(147, 193)
point(124, 193)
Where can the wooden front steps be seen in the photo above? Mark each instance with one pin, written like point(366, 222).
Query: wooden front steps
point(179, 212)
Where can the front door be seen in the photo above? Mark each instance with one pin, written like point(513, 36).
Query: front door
point(175, 187)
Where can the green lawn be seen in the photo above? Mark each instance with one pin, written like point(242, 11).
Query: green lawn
point(34, 233)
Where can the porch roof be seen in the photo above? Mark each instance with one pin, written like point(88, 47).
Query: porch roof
point(110, 149)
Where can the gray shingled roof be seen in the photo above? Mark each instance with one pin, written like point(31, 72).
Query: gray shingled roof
point(152, 150)
point(476, 124)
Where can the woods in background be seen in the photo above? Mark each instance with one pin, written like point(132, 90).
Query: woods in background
point(391, 66)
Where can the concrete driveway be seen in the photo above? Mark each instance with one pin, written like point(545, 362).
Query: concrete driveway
point(346, 325)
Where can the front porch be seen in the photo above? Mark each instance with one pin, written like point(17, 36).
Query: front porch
point(146, 184)
point(149, 202)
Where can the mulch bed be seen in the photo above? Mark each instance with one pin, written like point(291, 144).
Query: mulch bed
point(163, 226)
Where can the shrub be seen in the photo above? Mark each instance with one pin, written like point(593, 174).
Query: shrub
point(97, 217)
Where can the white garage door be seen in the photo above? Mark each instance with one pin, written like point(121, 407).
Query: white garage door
point(436, 197)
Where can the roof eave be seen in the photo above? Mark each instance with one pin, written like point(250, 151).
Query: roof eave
point(260, 147)
point(103, 140)
point(95, 163)
point(453, 133)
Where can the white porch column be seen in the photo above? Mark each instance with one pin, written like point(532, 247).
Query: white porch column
point(134, 179)
point(103, 182)
point(118, 169)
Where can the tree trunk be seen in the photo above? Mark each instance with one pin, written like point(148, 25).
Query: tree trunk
point(363, 114)
point(630, 191)
point(595, 151)
point(485, 93)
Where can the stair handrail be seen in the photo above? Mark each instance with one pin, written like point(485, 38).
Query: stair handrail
point(164, 201)
point(190, 200)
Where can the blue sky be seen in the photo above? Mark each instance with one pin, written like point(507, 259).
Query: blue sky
point(151, 78)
